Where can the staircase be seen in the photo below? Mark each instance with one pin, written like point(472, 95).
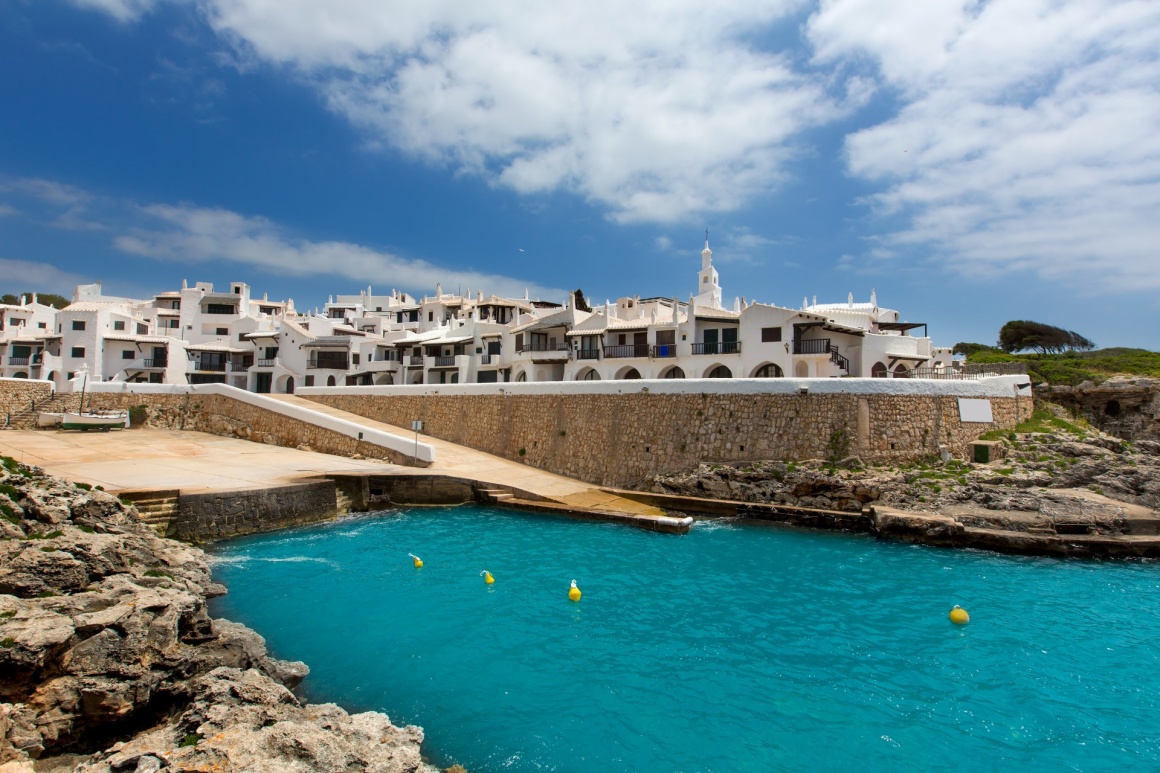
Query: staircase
point(342, 501)
point(156, 508)
point(26, 419)
point(495, 495)
point(839, 360)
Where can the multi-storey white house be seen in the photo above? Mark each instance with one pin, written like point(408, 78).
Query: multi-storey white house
point(29, 346)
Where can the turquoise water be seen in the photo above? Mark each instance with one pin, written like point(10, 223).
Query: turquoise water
point(736, 647)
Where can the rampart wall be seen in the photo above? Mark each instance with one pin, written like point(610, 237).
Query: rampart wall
point(17, 394)
point(621, 433)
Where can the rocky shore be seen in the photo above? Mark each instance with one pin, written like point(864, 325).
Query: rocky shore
point(1063, 487)
point(109, 661)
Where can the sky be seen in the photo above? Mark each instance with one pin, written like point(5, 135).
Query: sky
point(971, 161)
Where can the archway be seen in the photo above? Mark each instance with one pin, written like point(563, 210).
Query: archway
point(330, 381)
point(521, 377)
point(290, 385)
point(417, 377)
point(673, 372)
point(52, 376)
point(588, 374)
point(385, 379)
point(768, 370)
point(901, 371)
point(878, 370)
point(19, 374)
point(719, 371)
point(801, 369)
point(628, 374)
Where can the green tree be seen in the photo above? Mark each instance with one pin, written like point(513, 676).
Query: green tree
point(48, 299)
point(581, 304)
point(1023, 335)
point(967, 349)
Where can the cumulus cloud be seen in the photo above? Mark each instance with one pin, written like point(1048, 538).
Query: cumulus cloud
point(652, 110)
point(17, 276)
point(188, 234)
point(1029, 135)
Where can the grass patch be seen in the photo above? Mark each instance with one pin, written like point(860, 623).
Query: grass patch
point(8, 614)
point(7, 642)
point(47, 594)
point(10, 491)
point(158, 573)
point(8, 514)
point(86, 529)
point(1097, 490)
point(83, 486)
point(46, 535)
point(190, 740)
point(1072, 368)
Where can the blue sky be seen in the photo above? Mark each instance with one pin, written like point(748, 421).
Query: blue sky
point(974, 162)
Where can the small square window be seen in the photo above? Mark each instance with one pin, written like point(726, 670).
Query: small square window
point(118, 325)
point(770, 335)
point(78, 324)
point(222, 331)
point(127, 354)
point(78, 351)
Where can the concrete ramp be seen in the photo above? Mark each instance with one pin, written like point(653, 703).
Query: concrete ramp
point(490, 471)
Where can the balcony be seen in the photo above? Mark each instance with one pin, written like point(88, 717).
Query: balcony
point(486, 359)
point(238, 367)
point(155, 362)
point(18, 360)
point(415, 360)
point(540, 346)
point(210, 365)
point(632, 350)
point(665, 350)
point(812, 346)
point(328, 363)
point(588, 354)
point(720, 347)
point(265, 363)
point(444, 362)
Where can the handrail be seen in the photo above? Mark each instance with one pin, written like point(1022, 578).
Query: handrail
point(811, 346)
point(720, 347)
point(631, 350)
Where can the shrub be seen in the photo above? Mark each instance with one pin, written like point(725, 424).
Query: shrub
point(158, 573)
point(138, 414)
point(190, 740)
point(7, 642)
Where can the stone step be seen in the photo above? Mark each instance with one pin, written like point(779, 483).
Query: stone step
point(496, 495)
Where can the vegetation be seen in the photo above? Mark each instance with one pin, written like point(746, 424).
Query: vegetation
point(1042, 420)
point(158, 573)
point(1071, 368)
point(48, 299)
point(1021, 335)
point(7, 642)
point(581, 303)
point(190, 740)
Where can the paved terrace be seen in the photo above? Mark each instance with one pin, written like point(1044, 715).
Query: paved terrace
point(195, 462)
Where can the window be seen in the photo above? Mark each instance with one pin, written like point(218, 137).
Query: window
point(142, 329)
point(127, 354)
point(41, 325)
point(174, 324)
point(221, 331)
point(219, 308)
point(309, 380)
point(118, 326)
point(354, 358)
point(78, 324)
point(430, 316)
point(770, 335)
point(78, 351)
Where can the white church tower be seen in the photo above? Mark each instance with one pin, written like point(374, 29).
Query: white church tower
point(708, 289)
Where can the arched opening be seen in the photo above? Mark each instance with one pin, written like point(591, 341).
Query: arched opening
point(878, 370)
point(522, 377)
point(628, 374)
point(901, 371)
point(52, 376)
point(290, 385)
point(719, 372)
point(385, 379)
point(768, 370)
point(673, 372)
point(801, 370)
point(417, 377)
point(19, 374)
point(1112, 408)
point(330, 381)
point(588, 374)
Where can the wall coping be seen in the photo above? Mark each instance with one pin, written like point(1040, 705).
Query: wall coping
point(29, 381)
point(403, 445)
point(992, 386)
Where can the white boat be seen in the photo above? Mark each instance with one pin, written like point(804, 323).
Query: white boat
point(103, 421)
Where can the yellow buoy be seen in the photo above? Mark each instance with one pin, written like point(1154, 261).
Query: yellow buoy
point(418, 561)
point(574, 592)
point(486, 575)
point(959, 616)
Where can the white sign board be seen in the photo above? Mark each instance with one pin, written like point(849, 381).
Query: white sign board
point(418, 425)
point(975, 410)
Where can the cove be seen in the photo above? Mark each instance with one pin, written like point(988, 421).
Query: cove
point(735, 647)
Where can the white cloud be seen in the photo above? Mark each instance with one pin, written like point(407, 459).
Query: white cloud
point(7, 210)
point(187, 234)
point(663, 243)
point(17, 276)
point(121, 10)
point(654, 110)
point(1029, 136)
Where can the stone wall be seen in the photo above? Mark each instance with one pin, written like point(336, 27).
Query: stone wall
point(17, 394)
point(223, 514)
point(222, 415)
point(623, 439)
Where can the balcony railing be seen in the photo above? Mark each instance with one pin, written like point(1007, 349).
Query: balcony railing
point(485, 359)
point(588, 354)
point(238, 367)
point(155, 362)
point(265, 363)
point(17, 360)
point(216, 367)
point(541, 346)
point(632, 350)
point(720, 347)
point(329, 364)
point(665, 350)
point(415, 359)
point(444, 362)
point(812, 346)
